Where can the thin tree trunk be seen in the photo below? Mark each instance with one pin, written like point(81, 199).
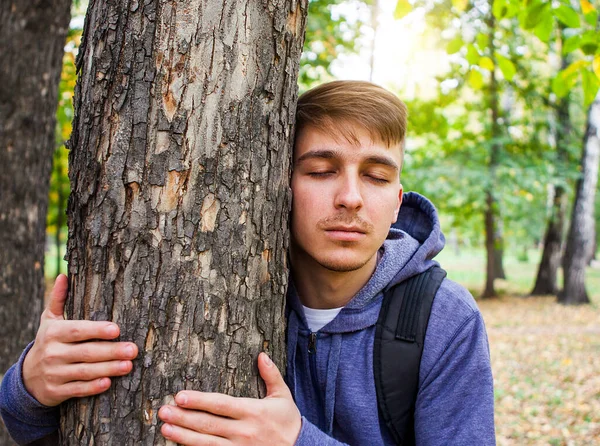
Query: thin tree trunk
point(493, 235)
point(32, 35)
point(581, 236)
point(375, 27)
point(546, 281)
point(60, 221)
point(180, 198)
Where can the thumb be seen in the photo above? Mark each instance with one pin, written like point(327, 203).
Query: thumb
point(56, 306)
point(276, 386)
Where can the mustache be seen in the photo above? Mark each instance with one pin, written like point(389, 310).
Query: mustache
point(345, 220)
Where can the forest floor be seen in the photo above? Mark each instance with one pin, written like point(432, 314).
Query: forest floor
point(545, 356)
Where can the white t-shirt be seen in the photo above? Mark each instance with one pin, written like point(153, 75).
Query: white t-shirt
point(317, 319)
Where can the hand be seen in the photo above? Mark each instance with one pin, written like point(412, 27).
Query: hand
point(73, 358)
point(215, 419)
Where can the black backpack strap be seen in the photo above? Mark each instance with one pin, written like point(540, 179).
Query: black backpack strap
point(399, 339)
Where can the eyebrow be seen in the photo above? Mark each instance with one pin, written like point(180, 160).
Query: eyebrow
point(331, 154)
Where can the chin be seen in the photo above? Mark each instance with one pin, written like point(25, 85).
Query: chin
point(342, 265)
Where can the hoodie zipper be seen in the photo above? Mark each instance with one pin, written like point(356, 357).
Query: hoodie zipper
point(312, 359)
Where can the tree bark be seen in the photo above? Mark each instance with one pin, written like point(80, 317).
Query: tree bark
point(178, 216)
point(581, 236)
point(546, 281)
point(33, 34)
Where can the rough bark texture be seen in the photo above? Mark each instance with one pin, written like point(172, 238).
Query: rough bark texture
point(32, 33)
point(178, 216)
point(581, 236)
point(546, 281)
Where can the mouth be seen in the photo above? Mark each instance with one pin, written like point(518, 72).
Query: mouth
point(345, 233)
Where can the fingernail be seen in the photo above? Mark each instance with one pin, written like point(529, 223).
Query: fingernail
point(181, 398)
point(112, 330)
point(167, 430)
point(268, 361)
point(129, 350)
point(166, 412)
point(124, 365)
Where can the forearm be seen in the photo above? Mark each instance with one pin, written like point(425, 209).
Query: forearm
point(24, 417)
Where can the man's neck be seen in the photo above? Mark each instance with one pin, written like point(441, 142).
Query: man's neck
point(321, 288)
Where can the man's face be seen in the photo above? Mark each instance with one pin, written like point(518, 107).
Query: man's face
point(344, 199)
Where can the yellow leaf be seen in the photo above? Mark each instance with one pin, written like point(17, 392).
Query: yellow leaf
point(460, 5)
point(586, 6)
point(596, 66)
point(486, 63)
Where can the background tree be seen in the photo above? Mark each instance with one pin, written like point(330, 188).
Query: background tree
point(180, 192)
point(29, 74)
point(581, 237)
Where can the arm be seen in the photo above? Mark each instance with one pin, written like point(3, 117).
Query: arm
point(68, 359)
point(455, 404)
point(201, 418)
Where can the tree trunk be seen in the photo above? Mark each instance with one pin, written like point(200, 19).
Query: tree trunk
point(546, 280)
point(180, 197)
point(33, 35)
point(493, 233)
point(581, 236)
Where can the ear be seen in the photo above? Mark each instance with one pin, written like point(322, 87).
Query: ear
point(397, 210)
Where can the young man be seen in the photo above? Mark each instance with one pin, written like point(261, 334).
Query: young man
point(346, 193)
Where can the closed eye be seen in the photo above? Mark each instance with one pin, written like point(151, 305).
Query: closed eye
point(378, 179)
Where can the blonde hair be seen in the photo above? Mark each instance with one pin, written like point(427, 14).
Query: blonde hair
point(339, 107)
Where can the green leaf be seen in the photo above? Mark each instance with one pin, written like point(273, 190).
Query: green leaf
point(571, 44)
point(403, 8)
point(567, 15)
point(482, 40)
point(500, 9)
point(596, 66)
point(565, 80)
point(543, 30)
point(472, 54)
point(591, 17)
point(486, 63)
point(535, 14)
point(454, 45)
point(589, 43)
point(590, 86)
point(559, 86)
point(506, 66)
point(475, 79)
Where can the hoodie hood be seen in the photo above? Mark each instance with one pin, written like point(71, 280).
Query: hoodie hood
point(413, 241)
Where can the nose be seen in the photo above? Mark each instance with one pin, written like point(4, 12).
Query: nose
point(349, 195)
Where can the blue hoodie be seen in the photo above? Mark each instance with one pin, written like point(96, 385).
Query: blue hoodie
point(332, 381)
point(333, 385)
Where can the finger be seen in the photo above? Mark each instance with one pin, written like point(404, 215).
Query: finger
point(276, 386)
point(214, 403)
point(198, 421)
point(91, 352)
point(56, 306)
point(88, 372)
point(78, 331)
point(189, 437)
point(79, 389)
